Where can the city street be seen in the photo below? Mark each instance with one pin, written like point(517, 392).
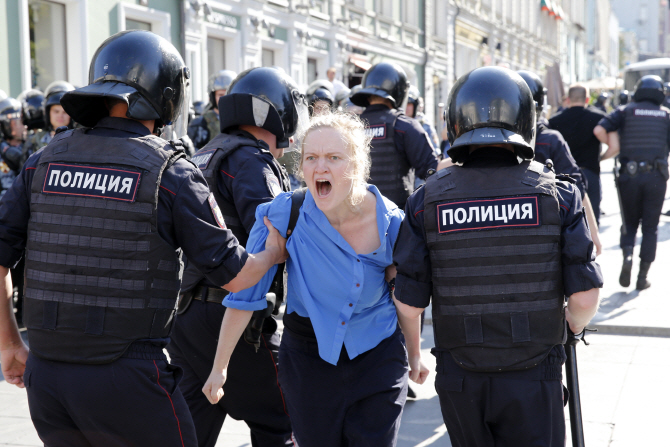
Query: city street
point(622, 373)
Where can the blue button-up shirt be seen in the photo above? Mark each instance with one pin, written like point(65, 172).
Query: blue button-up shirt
point(345, 294)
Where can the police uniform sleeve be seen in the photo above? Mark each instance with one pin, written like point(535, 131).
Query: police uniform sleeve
point(278, 212)
point(413, 284)
point(613, 121)
point(413, 140)
point(254, 183)
point(187, 220)
point(15, 213)
point(580, 270)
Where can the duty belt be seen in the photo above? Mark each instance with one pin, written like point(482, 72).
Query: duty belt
point(633, 167)
point(209, 294)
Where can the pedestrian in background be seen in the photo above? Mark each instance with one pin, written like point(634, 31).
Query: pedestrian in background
point(54, 117)
point(343, 365)
point(640, 134)
point(498, 243)
point(576, 124)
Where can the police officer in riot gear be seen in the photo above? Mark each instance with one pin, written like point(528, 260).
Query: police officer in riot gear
point(498, 242)
point(602, 102)
point(640, 134)
point(624, 97)
point(414, 109)
point(263, 111)
point(104, 214)
point(54, 117)
point(205, 127)
point(320, 97)
point(398, 142)
point(550, 147)
point(31, 109)
point(11, 148)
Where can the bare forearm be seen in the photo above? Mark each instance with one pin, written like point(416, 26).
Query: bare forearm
point(582, 307)
point(593, 224)
point(410, 323)
point(232, 327)
point(613, 146)
point(9, 331)
point(256, 266)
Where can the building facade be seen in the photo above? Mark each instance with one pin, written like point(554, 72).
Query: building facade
point(649, 20)
point(435, 41)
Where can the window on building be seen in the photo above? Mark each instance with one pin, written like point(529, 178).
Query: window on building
point(391, 8)
point(48, 48)
point(137, 24)
point(312, 73)
point(216, 55)
point(268, 58)
point(412, 13)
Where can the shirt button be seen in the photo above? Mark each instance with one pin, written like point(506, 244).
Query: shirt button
point(358, 285)
point(351, 305)
point(358, 260)
point(343, 323)
point(374, 253)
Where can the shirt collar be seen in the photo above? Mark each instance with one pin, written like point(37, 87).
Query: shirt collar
point(123, 124)
point(383, 219)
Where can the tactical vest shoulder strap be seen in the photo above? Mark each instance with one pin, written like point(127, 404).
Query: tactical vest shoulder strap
point(297, 199)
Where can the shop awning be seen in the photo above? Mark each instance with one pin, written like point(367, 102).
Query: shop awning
point(360, 62)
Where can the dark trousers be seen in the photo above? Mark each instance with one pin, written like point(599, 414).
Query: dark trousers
point(129, 402)
point(509, 409)
point(642, 197)
point(357, 402)
point(593, 190)
point(251, 392)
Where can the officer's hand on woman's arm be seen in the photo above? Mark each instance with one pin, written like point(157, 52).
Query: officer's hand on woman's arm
point(258, 264)
point(582, 307)
point(233, 325)
point(13, 352)
point(409, 318)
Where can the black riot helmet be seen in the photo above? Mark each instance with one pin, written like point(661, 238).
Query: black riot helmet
point(319, 90)
point(199, 107)
point(414, 98)
point(264, 97)
point(53, 95)
point(536, 88)
point(342, 95)
point(219, 81)
point(10, 109)
point(138, 67)
point(650, 88)
point(384, 79)
point(624, 97)
point(31, 108)
point(490, 105)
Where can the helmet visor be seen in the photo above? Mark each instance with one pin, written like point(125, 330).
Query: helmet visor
point(179, 126)
point(301, 122)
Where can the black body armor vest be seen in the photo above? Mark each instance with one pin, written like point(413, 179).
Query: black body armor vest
point(494, 237)
point(389, 167)
point(98, 275)
point(645, 131)
point(209, 160)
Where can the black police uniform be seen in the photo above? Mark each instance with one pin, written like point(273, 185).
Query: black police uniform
point(644, 132)
point(103, 214)
point(399, 143)
point(498, 244)
point(550, 145)
point(242, 174)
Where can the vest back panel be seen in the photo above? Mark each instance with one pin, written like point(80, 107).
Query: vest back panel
point(645, 131)
point(389, 167)
point(494, 238)
point(98, 275)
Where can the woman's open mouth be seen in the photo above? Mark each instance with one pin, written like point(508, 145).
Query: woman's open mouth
point(323, 188)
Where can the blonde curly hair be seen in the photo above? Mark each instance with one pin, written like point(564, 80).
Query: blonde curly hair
point(352, 130)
